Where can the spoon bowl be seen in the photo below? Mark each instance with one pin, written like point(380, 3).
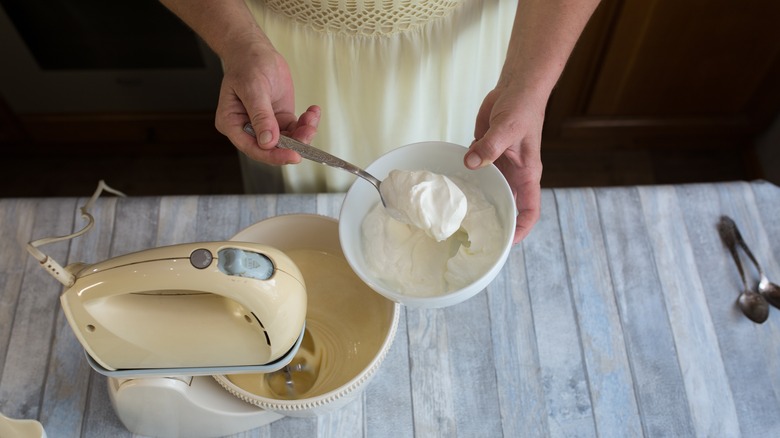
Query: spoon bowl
point(754, 306)
point(770, 291)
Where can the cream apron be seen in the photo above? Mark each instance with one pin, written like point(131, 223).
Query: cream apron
point(385, 73)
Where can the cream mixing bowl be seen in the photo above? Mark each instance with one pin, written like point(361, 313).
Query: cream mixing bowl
point(349, 328)
point(442, 158)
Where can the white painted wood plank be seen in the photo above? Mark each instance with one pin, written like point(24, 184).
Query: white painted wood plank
point(17, 217)
point(520, 392)
point(177, 220)
point(609, 375)
point(766, 248)
point(16, 229)
point(217, 218)
point(254, 433)
point(767, 197)
point(347, 422)
point(474, 386)
point(752, 367)
point(297, 204)
point(562, 368)
point(329, 204)
point(253, 209)
point(294, 427)
point(25, 367)
point(67, 381)
point(709, 396)
point(650, 344)
point(136, 225)
point(432, 386)
point(388, 397)
point(767, 245)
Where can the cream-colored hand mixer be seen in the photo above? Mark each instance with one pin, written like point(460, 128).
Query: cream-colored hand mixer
point(161, 322)
point(197, 309)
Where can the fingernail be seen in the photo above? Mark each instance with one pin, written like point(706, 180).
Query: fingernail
point(473, 160)
point(265, 137)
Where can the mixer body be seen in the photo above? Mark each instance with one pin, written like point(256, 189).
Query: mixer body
point(197, 309)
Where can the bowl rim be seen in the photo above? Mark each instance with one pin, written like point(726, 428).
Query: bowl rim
point(448, 298)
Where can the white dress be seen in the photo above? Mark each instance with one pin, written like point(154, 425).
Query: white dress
point(385, 73)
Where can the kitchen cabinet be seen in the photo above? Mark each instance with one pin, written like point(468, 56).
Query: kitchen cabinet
point(665, 73)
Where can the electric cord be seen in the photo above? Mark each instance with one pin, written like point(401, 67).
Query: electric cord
point(49, 264)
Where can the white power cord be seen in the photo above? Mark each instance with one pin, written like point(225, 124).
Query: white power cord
point(52, 267)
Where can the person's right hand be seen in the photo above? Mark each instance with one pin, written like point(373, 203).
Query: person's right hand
point(257, 88)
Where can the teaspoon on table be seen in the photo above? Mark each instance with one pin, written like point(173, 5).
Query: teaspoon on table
point(753, 304)
point(318, 155)
point(769, 290)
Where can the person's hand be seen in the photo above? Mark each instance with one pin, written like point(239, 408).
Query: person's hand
point(257, 88)
point(508, 133)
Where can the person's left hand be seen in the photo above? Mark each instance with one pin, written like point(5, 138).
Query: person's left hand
point(508, 133)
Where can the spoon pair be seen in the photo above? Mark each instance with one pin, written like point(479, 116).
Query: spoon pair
point(755, 305)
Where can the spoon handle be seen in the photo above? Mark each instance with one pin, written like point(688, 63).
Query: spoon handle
point(318, 155)
point(744, 246)
point(728, 234)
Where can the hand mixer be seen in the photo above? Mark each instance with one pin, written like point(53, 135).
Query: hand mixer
point(196, 338)
point(156, 322)
point(191, 309)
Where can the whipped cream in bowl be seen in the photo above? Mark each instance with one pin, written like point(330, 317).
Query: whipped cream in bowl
point(426, 200)
point(445, 234)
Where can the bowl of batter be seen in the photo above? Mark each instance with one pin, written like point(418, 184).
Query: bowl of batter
point(349, 328)
point(444, 235)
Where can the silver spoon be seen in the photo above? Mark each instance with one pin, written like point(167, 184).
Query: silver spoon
point(769, 290)
point(753, 304)
point(318, 155)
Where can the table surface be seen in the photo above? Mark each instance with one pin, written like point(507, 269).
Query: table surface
point(616, 317)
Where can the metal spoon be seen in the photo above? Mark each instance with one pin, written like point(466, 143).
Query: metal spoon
point(753, 304)
point(318, 155)
point(769, 290)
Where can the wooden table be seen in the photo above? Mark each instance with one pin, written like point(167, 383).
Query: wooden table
point(616, 317)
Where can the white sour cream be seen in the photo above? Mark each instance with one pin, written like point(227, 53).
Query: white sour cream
point(412, 261)
point(426, 200)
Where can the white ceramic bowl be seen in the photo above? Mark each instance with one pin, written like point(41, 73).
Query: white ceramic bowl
point(439, 157)
point(349, 328)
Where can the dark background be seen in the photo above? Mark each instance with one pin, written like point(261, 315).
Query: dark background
point(655, 92)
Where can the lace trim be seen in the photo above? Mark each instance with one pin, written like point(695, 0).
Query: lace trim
point(364, 17)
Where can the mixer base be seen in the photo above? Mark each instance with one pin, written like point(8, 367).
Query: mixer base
point(187, 406)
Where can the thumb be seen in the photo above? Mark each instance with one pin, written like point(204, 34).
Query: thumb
point(485, 150)
point(263, 119)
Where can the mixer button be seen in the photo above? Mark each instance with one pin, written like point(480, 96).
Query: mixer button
point(201, 258)
point(234, 261)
